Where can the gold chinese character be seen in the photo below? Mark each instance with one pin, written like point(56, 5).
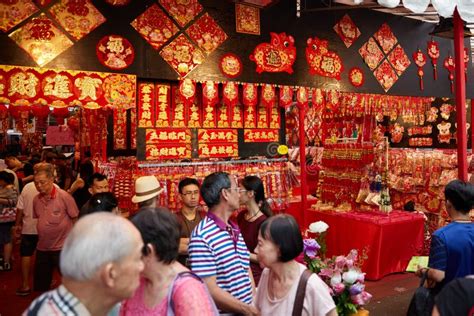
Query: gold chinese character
point(88, 87)
point(23, 84)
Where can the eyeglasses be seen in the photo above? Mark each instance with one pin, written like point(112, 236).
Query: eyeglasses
point(190, 193)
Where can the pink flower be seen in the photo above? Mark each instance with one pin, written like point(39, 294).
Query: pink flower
point(326, 272)
point(361, 277)
point(338, 288)
point(340, 262)
point(361, 298)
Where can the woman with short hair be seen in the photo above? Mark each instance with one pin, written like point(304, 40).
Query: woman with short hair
point(166, 286)
point(279, 243)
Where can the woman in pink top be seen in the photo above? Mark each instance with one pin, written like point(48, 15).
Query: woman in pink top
point(166, 286)
point(279, 243)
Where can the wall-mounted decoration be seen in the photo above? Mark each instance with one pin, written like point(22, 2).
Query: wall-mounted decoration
point(449, 65)
point(261, 135)
point(444, 134)
point(217, 136)
point(120, 129)
point(356, 77)
point(14, 12)
point(118, 3)
point(399, 60)
point(371, 53)
point(115, 52)
point(321, 60)
point(146, 102)
point(182, 12)
point(206, 33)
point(167, 151)
point(420, 130)
point(218, 150)
point(119, 90)
point(286, 96)
point(230, 65)
point(446, 110)
point(420, 60)
point(163, 105)
point(420, 142)
point(432, 114)
point(276, 56)
point(181, 55)
point(41, 39)
point(230, 94)
point(247, 19)
point(433, 52)
point(268, 95)
point(78, 18)
point(347, 30)
point(385, 75)
point(396, 132)
point(155, 26)
point(178, 109)
point(302, 97)
point(385, 38)
point(187, 91)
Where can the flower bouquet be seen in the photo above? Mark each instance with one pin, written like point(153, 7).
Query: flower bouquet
point(342, 274)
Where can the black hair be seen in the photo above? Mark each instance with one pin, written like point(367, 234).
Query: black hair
point(86, 170)
point(409, 206)
point(284, 232)
point(185, 182)
point(160, 228)
point(102, 202)
point(255, 184)
point(212, 186)
point(95, 177)
point(461, 195)
point(7, 177)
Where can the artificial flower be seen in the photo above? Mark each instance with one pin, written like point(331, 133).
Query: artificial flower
point(356, 289)
point(335, 279)
point(318, 227)
point(350, 276)
point(310, 247)
point(338, 288)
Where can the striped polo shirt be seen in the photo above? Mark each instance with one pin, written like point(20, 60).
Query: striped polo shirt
point(217, 249)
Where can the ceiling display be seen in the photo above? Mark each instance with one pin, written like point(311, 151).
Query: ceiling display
point(41, 39)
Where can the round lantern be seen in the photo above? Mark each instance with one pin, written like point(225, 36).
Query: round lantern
point(60, 114)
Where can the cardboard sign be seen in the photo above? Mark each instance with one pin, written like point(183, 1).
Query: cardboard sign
point(59, 135)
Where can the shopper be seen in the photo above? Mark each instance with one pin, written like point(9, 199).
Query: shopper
point(166, 286)
point(147, 189)
point(80, 187)
point(217, 251)
point(103, 202)
point(189, 215)
point(257, 210)
point(279, 243)
point(8, 199)
point(452, 246)
point(97, 183)
point(56, 211)
point(100, 266)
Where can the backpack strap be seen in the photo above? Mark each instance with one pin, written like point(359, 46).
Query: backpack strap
point(300, 293)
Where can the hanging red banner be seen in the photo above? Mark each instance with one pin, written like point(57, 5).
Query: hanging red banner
point(302, 96)
point(230, 94)
point(250, 116)
point(420, 61)
point(237, 117)
point(133, 128)
point(223, 118)
point(268, 95)
point(261, 135)
point(218, 150)
point(217, 136)
point(319, 100)
point(274, 117)
point(262, 118)
point(209, 120)
point(250, 96)
point(194, 118)
point(146, 101)
point(168, 135)
point(120, 128)
point(167, 151)
point(162, 105)
point(187, 90)
point(178, 109)
point(286, 96)
point(210, 94)
point(433, 52)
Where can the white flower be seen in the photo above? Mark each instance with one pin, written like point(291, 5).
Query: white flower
point(335, 279)
point(350, 276)
point(318, 227)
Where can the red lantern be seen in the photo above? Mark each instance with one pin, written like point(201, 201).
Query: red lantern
point(60, 114)
point(73, 123)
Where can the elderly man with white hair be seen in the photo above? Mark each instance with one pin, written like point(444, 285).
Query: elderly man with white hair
point(100, 265)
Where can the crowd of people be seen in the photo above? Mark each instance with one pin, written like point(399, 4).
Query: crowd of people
point(194, 261)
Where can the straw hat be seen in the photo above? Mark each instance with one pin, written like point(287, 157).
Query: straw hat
point(146, 188)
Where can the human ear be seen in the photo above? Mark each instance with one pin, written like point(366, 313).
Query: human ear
point(108, 275)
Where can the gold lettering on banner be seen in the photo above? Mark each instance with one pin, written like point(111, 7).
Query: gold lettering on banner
point(23, 84)
point(88, 87)
point(162, 120)
point(181, 151)
point(57, 86)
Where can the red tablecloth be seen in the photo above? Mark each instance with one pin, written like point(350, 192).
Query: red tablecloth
point(389, 240)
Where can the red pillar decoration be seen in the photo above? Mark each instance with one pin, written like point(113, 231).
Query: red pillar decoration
point(304, 186)
point(460, 89)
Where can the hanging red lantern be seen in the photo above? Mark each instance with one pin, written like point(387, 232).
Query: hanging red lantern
point(73, 123)
point(449, 65)
point(60, 114)
point(420, 61)
point(433, 52)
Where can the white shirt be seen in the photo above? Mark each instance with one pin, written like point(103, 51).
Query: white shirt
point(25, 203)
point(317, 300)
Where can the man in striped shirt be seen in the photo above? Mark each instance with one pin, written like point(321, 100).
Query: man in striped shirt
point(217, 251)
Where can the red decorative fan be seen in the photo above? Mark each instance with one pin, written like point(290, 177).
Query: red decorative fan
point(420, 60)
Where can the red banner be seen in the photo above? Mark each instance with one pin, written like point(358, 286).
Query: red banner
point(250, 94)
point(250, 116)
point(210, 94)
point(218, 150)
point(286, 96)
point(187, 91)
point(194, 118)
point(237, 120)
point(209, 120)
point(261, 135)
point(230, 94)
point(168, 135)
point(120, 129)
point(133, 128)
point(146, 101)
point(302, 96)
point(262, 121)
point(274, 117)
point(268, 95)
point(26, 85)
point(168, 151)
point(223, 118)
point(162, 105)
point(217, 136)
point(179, 110)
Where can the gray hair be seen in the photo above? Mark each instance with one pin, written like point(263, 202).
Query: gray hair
point(95, 240)
point(212, 186)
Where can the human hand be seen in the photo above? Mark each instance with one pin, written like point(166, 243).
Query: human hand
point(420, 271)
point(251, 310)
